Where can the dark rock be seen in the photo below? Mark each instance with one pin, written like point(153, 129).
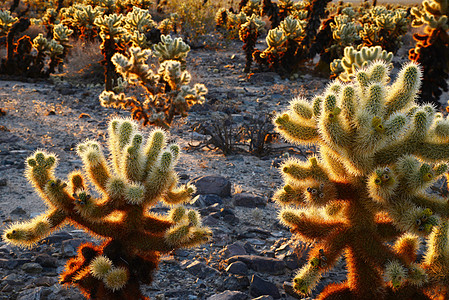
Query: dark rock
point(201, 270)
point(228, 216)
point(45, 281)
point(32, 268)
point(8, 263)
point(19, 211)
point(46, 261)
point(238, 267)
point(210, 209)
point(259, 287)
point(236, 282)
point(181, 253)
point(69, 247)
point(31, 294)
point(261, 264)
point(207, 200)
point(213, 184)
point(229, 295)
point(234, 249)
point(248, 200)
point(58, 237)
point(3, 182)
point(210, 221)
point(264, 297)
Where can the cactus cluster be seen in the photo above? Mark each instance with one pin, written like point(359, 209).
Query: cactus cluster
point(365, 195)
point(139, 175)
point(167, 91)
point(345, 68)
point(28, 58)
point(432, 47)
point(361, 27)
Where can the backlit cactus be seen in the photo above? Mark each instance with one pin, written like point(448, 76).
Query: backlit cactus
point(139, 175)
point(432, 47)
point(353, 60)
point(167, 91)
point(248, 34)
point(379, 152)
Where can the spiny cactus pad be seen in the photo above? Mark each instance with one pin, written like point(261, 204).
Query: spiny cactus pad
point(378, 153)
point(139, 175)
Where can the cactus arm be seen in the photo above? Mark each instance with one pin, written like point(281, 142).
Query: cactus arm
point(310, 228)
point(94, 164)
point(29, 233)
point(387, 230)
point(436, 204)
point(155, 225)
point(294, 131)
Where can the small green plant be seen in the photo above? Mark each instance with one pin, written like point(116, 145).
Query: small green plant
point(366, 195)
point(139, 175)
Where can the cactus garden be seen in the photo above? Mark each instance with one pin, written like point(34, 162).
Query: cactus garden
point(217, 150)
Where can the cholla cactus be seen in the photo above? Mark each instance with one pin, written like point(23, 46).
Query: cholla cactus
point(114, 36)
point(171, 49)
point(81, 18)
point(167, 91)
point(140, 174)
point(138, 22)
point(378, 153)
point(251, 7)
point(248, 34)
point(6, 21)
point(353, 60)
point(385, 27)
point(432, 47)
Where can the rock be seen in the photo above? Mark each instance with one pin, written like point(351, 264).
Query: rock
point(236, 282)
point(32, 268)
point(210, 221)
point(57, 237)
point(248, 200)
point(229, 295)
point(229, 216)
point(69, 247)
point(213, 184)
point(207, 200)
point(45, 281)
point(19, 211)
point(261, 264)
point(259, 287)
point(233, 250)
point(238, 267)
point(31, 294)
point(201, 270)
point(12, 279)
point(3, 182)
point(46, 261)
point(8, 263)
